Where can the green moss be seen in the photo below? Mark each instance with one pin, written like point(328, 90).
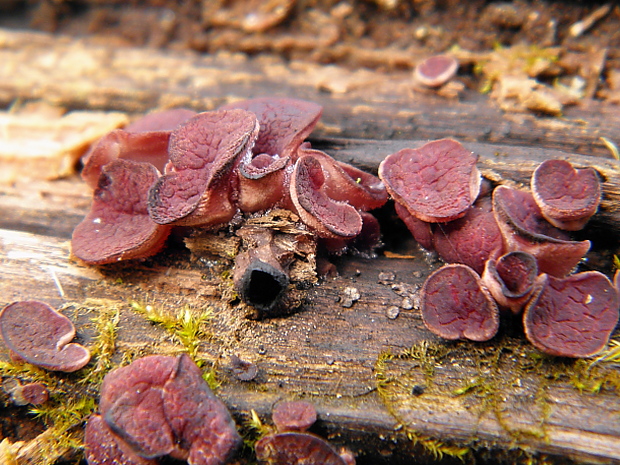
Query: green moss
point(508, 381)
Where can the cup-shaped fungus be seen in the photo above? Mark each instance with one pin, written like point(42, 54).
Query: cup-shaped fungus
point(103, 447)
point(470, 240)
point(524, 228)
point(197, 189)
point(455, 305)
point(144, 140)
point(294, 448)
point(512, 279)
point(36, 333)
point(118, 226)
point(327, 217)
point(160, 405)
point(294, 415)
point(573, 316)
point(435, 71)
point(437, 182)
point(567, 197)
point(284, 124)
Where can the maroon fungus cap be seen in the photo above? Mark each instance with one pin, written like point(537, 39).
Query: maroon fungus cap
point(573, 316)
point(435, 71)
point(512, 279)
point(524, 228)
point(118, 226)
point(197, 189)
point(161, 405)
point(294, 415)
point(455, 305)
point(293, 448)
point(325, 216)
point(145, 140)
point(39, 335)
point(567, 197)
point(438, 182)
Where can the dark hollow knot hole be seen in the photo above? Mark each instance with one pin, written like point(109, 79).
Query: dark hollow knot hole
point(263, 285)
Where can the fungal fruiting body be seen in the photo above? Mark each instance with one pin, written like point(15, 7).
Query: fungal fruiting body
point(518, 241)
point(245, 158)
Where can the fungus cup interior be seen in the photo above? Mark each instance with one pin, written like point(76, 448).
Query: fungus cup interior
point(437, 182)
point(567, 197)
point(291, 448)
point(455, 305)
point(573, 316)
point(118, 226)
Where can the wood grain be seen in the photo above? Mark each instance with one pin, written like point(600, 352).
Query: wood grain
point(333, 355)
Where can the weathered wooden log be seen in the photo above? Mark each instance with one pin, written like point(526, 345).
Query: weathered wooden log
point(383, 385)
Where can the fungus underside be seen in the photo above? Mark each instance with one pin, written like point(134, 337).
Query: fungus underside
point(482, 383)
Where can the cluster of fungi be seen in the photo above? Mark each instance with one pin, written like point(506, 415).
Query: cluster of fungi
point(506, 249)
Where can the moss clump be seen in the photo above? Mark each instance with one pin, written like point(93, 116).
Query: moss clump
point(471, 389)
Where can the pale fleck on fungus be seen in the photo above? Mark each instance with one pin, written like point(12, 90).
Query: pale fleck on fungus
point(573, 316)
point(455, 305)
point(567, 197)
point(37, 334)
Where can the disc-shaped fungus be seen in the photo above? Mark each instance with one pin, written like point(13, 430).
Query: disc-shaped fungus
point(294, 448)
point(437, 182)
point(573, 316)
point(567, 197)
point(455, 305)
point(512, 279)
point(294, 415)
point(204, 150)
point(435, 71)
point(161, 405)
point(36, 333)
point(118, 226)
point(524, 228)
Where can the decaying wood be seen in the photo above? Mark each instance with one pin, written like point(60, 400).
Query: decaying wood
point(336, 356)
point(78, 73)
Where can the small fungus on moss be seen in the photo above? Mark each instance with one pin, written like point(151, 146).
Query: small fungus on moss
point(36, 333)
